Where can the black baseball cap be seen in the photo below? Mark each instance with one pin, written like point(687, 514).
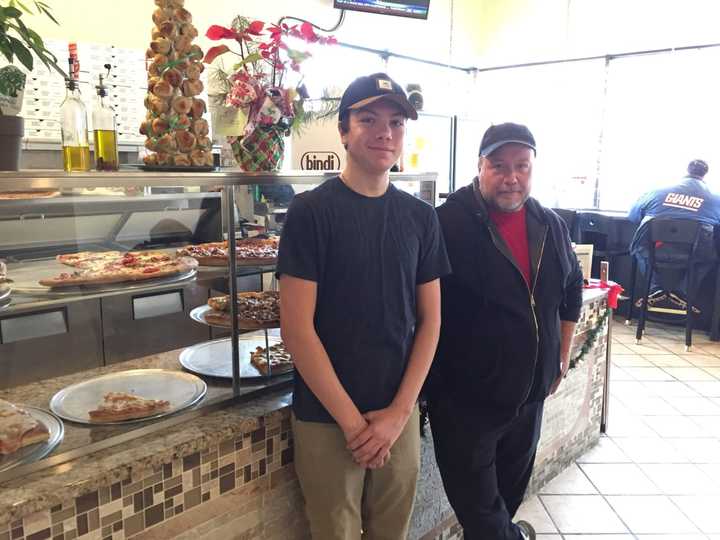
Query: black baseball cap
point(500, 134)
point(697, 168)
point(366, 90)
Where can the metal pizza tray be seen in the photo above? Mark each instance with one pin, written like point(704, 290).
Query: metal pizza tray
point(35, 452)
point(26, 282)
point(198, 315)
point(181, 389)
point(214, 358)
point(5, 291)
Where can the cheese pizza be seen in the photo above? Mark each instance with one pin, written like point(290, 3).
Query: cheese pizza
point(93, 268)
point(18, 428)
point(255, 310)
point(249, 251)
point(119, 406)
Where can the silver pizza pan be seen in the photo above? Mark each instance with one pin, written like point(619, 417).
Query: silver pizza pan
point(31, 285)
point(214, 358)
point(198, 315)
point(35, 452)
point(5, 292)
point(26, 277)
point(181, 389)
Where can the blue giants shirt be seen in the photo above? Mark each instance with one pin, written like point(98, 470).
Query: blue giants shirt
point(690, 199)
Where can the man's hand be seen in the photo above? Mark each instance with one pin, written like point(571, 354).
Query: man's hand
point(564, 365)
point(371, 447)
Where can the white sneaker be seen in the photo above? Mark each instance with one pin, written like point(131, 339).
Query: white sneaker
point(526, 530)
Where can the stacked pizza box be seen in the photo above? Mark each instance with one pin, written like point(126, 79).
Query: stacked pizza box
point(176, 132)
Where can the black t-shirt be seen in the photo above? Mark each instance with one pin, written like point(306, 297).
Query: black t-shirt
point(367, 256)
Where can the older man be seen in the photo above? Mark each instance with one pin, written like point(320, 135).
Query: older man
point(509, 310)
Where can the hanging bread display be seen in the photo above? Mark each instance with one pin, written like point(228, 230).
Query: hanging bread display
point(175, 130)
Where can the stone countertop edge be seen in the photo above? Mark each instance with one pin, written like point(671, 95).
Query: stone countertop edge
point(49, 487)
point(589, 295)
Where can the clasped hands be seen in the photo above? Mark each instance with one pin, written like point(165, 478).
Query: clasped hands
point(370, 443)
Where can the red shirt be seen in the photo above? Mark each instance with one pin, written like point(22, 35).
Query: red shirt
point(512, 228)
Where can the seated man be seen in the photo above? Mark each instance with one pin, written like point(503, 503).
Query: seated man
point(689, 199)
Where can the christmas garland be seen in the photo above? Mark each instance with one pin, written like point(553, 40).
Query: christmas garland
point(590, 340)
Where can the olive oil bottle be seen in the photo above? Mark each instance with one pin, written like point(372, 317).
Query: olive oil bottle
point(73, 127)
point(104, 132)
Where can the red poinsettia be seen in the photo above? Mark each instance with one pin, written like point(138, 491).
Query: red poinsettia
point(255, 84)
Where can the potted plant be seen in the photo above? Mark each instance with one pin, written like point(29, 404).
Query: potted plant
point(18, 41)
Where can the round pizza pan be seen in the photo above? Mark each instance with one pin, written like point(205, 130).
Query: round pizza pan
point(214, 358)
point(32, 287)
point(5, 291)
point(181, 389)
point(198, 315)
point(35, 452)
point(177, 168)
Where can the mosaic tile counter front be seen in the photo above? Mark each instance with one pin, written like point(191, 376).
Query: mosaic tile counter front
point(230, 475)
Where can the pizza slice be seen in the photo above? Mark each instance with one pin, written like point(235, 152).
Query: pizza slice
point(255, 310)
point(89, 259)
point(119, 406)
point(18, 428)
point(280, 360)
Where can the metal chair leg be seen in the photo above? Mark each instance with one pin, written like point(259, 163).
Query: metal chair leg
point(689, 316)
point(643, 311)
point(715, 324)
point(633, 280)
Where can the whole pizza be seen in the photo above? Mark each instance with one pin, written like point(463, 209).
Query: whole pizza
point(18, 428)
point(94, 268)
point(255, 310)
point(16, 195)
point(249, 251)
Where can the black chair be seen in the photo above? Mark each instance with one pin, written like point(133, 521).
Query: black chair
point(679, 238)
point(570, 219)
point(609, 235)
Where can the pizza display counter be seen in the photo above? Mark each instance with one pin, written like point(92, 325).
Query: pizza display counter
point(226, 471)
point(116, 324)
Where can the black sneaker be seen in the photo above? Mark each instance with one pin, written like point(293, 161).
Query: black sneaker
point(526, 530)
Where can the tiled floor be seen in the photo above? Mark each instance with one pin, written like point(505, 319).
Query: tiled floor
point(656, 474)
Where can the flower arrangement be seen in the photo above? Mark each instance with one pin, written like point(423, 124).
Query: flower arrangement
point(258, 87)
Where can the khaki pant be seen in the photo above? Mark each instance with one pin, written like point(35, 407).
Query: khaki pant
point(342, 497)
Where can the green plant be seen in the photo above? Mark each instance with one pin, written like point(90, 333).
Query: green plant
point(19, 41)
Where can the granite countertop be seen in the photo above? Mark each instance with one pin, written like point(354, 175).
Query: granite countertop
point(49, 487)
point(39, 394)
point(590, 295)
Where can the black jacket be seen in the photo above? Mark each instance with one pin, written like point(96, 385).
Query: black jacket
point(500, 339)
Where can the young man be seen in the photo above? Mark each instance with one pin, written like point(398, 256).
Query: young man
point(359, 265)
point(508, 315)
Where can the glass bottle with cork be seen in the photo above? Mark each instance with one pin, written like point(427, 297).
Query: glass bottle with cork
point(104, 131)
point(73, 120)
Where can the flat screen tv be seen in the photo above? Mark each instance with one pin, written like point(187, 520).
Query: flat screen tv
point(417, 9)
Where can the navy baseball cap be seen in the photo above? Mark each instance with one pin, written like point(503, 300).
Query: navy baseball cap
point(371, 88)
point(500, 134)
